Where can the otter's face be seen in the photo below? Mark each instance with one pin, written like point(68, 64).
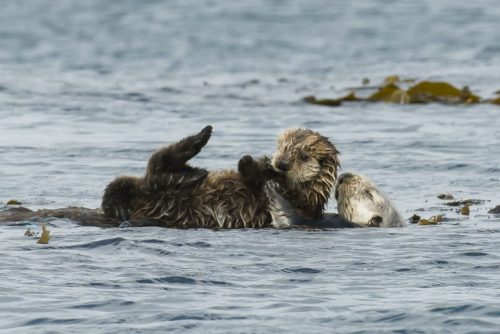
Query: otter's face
point(359, 201)
point(351, 186)
point(306, 156)
point(356, 197)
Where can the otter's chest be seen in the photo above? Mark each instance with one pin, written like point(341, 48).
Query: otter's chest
point(282, 212)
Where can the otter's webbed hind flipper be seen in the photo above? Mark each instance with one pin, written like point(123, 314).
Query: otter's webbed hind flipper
point(173, 158)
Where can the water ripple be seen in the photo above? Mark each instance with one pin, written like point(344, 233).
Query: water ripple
point(168, 279)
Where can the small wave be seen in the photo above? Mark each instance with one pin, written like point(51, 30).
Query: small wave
point(98, 244)
point(113, 303)
point(222, 283)
point(168, 279)
point(166, 89)
point(457, 166)
point(229, 97)
point(302, 280)
point(40, 321)
point(457, 309)
point(154, 241)
point(205, 316)
point(474, 254)
point(392, 318)
point(438, 262)
point(196, 244)
point(104, 285)
point(302, 270)
point(492, 267)
point(135, 97)
point(158, 251)
point(470, 322)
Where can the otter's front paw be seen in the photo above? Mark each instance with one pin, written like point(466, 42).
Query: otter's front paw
point(268, 171)
point(247, 166)
point(251, 172)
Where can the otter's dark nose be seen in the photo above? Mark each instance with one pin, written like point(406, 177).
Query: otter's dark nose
point(283, 165)
point(344, 177)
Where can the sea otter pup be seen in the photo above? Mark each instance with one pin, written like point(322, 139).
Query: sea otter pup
point(359, 201)
point(308, 163)
point(292, 187)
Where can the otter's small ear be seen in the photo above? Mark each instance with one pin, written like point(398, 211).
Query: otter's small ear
point(375, 221)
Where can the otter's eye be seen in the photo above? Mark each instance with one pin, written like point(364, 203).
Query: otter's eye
point(304, 157)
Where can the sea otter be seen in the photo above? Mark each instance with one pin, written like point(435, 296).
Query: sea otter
point(293, 187)
point(359, 201)
point(308, 163)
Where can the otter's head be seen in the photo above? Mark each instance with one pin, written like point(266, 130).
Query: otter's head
point(309, 162)
point(359, 201)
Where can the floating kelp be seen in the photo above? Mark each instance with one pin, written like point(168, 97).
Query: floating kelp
point(14, 202)
point(495, 210)
point(392, 79)
point(429, 91)
point(350, 97)
point(406, 91)
point(323, 102)
point(388, 93)
point(44, 238)
point(495, 100)
point(465, 210)
point(424, 92)
point(466, 202)
point(434, 220)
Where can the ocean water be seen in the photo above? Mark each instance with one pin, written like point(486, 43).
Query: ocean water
point(88, 89)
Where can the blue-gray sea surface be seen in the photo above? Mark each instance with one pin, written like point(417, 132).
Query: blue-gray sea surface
point(88, 89)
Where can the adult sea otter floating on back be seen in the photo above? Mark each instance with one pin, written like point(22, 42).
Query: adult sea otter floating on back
point(292, 188)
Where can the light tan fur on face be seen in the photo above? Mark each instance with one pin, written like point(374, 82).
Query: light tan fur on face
point(311, 162)
point(359, 201)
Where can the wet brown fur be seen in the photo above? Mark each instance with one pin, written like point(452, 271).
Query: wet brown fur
point(183, 197)
point(310, 163)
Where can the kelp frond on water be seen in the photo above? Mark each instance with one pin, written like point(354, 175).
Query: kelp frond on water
point(406, 91)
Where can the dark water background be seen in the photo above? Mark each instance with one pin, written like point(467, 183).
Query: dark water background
point(89, 88)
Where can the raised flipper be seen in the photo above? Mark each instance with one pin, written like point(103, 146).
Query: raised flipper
point(173, 158)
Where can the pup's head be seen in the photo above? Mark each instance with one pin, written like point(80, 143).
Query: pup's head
point(309, 163)
point(306, 156)
point(359, 201)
